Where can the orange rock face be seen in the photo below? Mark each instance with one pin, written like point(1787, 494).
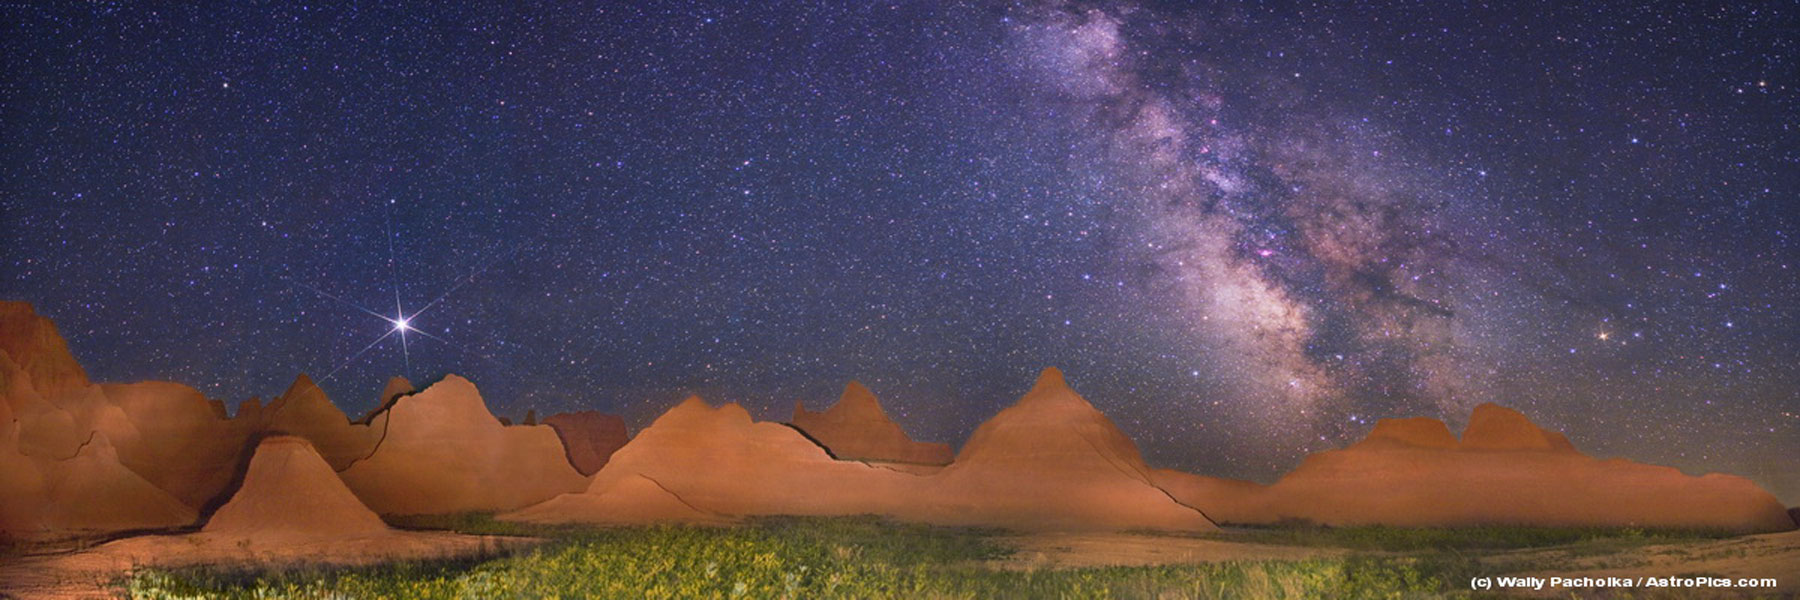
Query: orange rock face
point(856, 428)
point(589, 437)
point(442, 452)
point(1495, 427)
point(61, 474)
point(1419, 432)
point(18, 475)
point(170, 434)
point(36, 374)
point(24, 498)
point(289, 492)
point(700, 463)
point(1052, 461)
point(304, 410)
point(78, 458)
point(1224, 501)
point(626, 500)
point(39, 351)
point(395, 388)
point(92, 493)
point(1505, 470)
point(96, 457)
point(290, 508)
point(86, 492)
point(167, 434)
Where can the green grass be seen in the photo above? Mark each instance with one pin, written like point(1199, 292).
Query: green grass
point(873, 558)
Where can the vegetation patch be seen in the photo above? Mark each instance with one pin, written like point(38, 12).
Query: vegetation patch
point(867, 557)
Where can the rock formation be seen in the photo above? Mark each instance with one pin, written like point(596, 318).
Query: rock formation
point(250, 411)
point(170, 434)
point(289, 510)
point(700, 463)
point(289, 492)
point(443, 452)
point(305, 411)
point(1225, 501)
point(1504, 470)
point(79, 458)
point(19, 476)
point(61, 473)
point(629, 499)
point(37, 371)
point(396, 387)
point(39, 351)
point(1415, 432)
point(122, 451)
point(1495, 427)
point(1052, 461)
point(589, 437)
point(856, 428)
point(92, 493)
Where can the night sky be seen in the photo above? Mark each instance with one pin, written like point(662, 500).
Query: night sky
point(1244, 232)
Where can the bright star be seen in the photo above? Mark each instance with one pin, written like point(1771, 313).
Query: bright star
point(401, 322)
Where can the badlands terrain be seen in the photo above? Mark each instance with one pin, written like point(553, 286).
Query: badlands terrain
point(151, 488)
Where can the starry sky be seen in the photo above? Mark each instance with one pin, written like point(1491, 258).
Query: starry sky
point(1244, 231)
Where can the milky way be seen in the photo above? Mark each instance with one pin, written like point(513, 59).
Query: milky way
point(1245, 232)
point(1320, 279)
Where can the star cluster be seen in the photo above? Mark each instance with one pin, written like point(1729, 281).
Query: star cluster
point(1246, 233)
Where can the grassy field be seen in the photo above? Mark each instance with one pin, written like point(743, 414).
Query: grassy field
point(872, 558)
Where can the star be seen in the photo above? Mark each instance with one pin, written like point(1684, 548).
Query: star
point(402, 323)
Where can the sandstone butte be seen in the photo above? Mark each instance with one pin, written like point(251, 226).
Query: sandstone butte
point(441, 451)
point(1052, 461)
point(1049, 462)
point(304, 411)
point(288, 508)
point(856, 428)
point(60, 477)
point(699, 463)
point(1504, 470)
point(395, 387)
point(289, 492)
point(79, 458)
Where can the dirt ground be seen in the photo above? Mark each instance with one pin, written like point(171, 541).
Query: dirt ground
point(89, 573)
point(1774, 555)
point(1069, 550)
